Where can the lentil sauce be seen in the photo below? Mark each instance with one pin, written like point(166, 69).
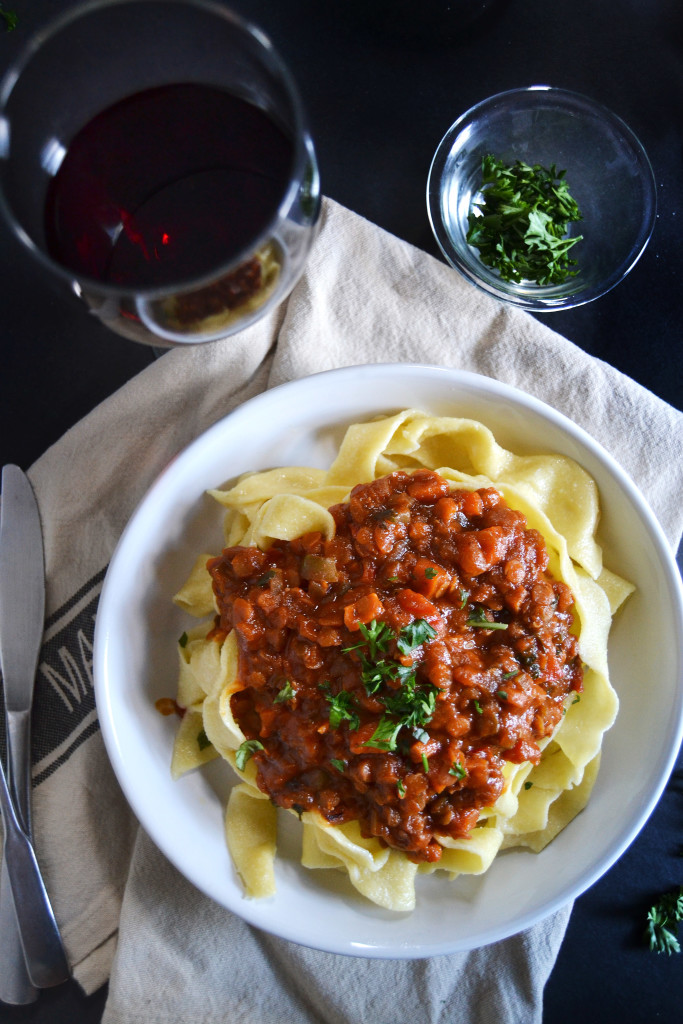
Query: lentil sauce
point(390, 672)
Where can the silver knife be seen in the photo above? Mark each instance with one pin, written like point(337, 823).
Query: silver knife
point(22, 613)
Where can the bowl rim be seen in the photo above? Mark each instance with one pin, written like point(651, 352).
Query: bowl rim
point(541, 299)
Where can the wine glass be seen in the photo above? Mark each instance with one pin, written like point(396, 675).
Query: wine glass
point(155, 156)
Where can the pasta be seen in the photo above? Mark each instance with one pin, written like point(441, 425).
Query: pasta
point(536, 797)
point(214, 307)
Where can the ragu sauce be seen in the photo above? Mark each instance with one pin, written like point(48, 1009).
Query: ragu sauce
point(390, 672)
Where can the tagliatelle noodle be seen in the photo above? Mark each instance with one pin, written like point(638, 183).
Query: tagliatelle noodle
point(559, 499)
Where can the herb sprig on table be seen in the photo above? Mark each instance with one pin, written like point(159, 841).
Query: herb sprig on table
point(521, 224)
point(9, 17)
point(662, 919)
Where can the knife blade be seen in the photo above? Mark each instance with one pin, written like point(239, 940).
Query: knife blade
point(22, 612)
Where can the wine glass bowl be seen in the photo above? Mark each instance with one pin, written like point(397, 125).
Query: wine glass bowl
point(608, 174)
point(168, 174)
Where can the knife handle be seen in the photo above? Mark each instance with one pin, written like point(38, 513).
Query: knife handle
point(19, 765)
point(16, 987)
point(43, 949)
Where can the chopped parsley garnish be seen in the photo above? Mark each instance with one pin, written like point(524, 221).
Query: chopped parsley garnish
point(511, 675)
point(528, 785)
point(577, 698)
point(464, 596)
point(409, 705)
point(265, 579)
point(9, 17)
point(520, 227)
point(502, 694)
point(375, 673)
point(425, 763)
point(414, 706)
point(285, 694)
point(401, 788)
point(458, 770)
point(245, 751)
point(341, 708)
point(416, 633)
point(431, 572)
point(385, 735)
point(376, 637)
point(478, 620)
point(662, 918)
point(478, 708)
point(339, 765)
point(203, 740)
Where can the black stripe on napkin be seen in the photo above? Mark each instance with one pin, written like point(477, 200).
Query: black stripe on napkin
point(64, 713)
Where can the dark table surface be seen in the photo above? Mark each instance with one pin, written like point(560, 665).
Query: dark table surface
point(383, 80)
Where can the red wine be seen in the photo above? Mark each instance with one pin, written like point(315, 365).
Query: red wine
point(166, 186)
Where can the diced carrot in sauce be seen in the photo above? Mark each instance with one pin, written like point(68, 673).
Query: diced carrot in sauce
point(363, 611)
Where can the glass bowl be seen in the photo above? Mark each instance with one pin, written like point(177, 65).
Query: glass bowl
point(607, 171)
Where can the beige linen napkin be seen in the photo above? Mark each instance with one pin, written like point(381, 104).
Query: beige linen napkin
point(366, 297)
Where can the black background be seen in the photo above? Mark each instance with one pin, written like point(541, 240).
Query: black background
point(382, 82)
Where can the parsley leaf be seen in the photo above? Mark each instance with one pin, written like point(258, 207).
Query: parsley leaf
point(203, 740)
point(414, 634)
point(341, 708)
point(520, 225)
point(385, 735)
point(9, 17)
point(376, 636)
point(374, 673)
point(478, 620)
point(413, 706)
point(667, 911)
point(245, 751)
point(285, 694)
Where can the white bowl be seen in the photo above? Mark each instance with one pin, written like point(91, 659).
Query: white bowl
point(135, 663)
